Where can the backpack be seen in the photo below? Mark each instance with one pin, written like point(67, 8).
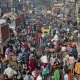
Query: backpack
point(29, 77)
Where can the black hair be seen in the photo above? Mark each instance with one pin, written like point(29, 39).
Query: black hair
point(29, 73)
point(79, 60)
point(67, 71)
point(70, 55)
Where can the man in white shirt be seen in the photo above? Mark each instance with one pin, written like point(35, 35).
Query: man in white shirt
point(52, 60)
point(9, 72)
point(28, 76)
point(39, 77)
point(66, 76)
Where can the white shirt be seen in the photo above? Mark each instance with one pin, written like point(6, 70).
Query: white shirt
point(39, 78)
point(66, 77)
point(56, 37)
point(52, 60)
point(44, 59)
point(71, 59)
point(9, 72)
point(27, 77)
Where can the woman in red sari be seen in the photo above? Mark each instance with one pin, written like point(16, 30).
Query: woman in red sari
point(31, 65)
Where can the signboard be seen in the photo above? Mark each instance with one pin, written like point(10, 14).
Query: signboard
point(5, 33)
point(18, 21)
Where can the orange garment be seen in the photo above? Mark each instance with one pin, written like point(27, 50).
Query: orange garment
point(55, 67)
point(70, 44)
point(77, 68)
point(69, 76)
point(39, 35)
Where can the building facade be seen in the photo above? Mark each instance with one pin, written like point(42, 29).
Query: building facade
point(6, 5)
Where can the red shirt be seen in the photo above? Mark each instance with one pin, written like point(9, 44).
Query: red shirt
point(70, 44)
point(32, 65)
point(26, 46)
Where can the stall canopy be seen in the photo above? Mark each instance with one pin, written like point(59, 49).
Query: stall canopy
point(5, 35)
point(22, 18)
point(18, 21)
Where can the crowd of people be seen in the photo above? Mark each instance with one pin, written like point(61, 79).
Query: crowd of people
point(29, 57)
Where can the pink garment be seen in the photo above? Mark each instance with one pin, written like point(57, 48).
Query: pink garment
point(42, 67)
point(7, 51)
point(15, 33)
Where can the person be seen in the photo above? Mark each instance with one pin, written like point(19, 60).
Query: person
point(65, 62)
point(32, 65)
point(71, 62)
point(28, 76)
point(66, 75)
point(7, 52)
point(69, 48)
point(52, 60)
point(9, 72)
point(27, 54)
point(5, 77)
point(70, 43)
point(22, 50)
point(77, 68)
point(39, 77)
point(45, 71)
point(56, 73)
point(75, 52)
point(70, 75)
point(34, 73)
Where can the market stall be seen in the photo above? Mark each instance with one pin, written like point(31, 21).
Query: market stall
point(4, 34)
point(18, 21)
point(22, 16)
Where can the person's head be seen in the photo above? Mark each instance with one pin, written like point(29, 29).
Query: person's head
point(78, 59)
point(70, 54)
point(29, 73)
point(67, 71)
point(44, 65)
point(8, 65)
point(70, 40)
point(74, 46)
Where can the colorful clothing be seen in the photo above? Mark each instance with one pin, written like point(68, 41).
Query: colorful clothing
point(57, 75)
point(77, 68)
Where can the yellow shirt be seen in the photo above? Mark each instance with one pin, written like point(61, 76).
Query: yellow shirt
point(77, 68)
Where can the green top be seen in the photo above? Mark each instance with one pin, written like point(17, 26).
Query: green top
point(57, 75)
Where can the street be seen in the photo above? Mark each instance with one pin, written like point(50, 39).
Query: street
point(40, 40)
